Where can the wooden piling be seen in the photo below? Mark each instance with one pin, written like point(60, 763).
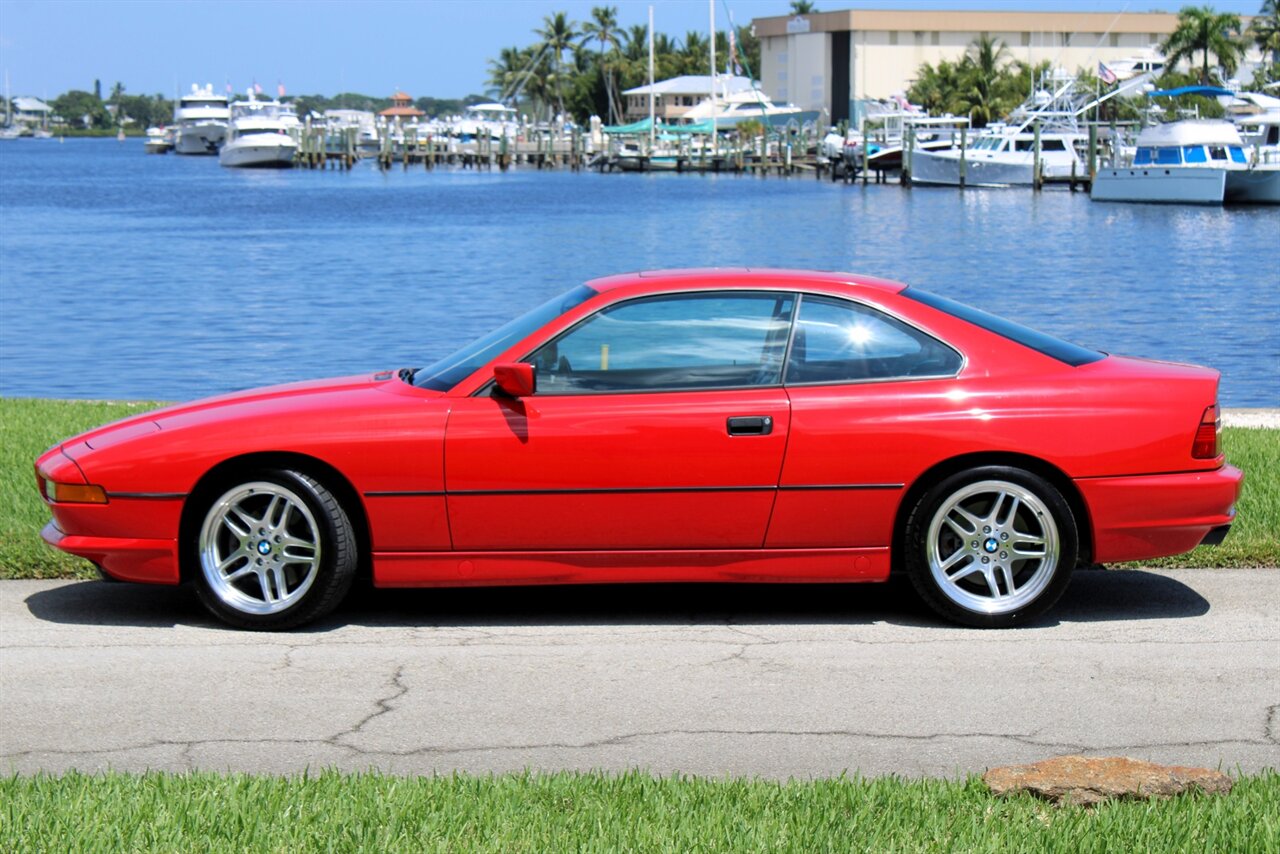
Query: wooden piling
point(1037, 165)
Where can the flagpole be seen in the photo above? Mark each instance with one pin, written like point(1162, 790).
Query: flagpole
point(711, 4)
point(653, 127)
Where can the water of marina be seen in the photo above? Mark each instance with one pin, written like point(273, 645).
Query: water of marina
point(131, 276)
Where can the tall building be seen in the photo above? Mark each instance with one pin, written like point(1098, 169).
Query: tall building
point(831, 60)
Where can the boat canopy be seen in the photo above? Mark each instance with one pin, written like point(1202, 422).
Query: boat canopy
point(1209, 91)
point(643, 126)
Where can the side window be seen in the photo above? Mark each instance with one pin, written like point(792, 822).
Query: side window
point(840, 341)
point(671, 343)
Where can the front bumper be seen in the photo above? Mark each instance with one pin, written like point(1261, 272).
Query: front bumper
point(123, 558)
point(1140, 517)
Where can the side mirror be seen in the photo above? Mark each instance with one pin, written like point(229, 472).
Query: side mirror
point(518, 379)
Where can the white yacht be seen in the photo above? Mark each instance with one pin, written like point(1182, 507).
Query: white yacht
point(363, 123)
point(1261, 131)
point(746, 105)
point(1004, 158)
point(200, 121)
point(493, 119)
point(1195, 161)
point(159, 140)
point(263, 134)
point(1004, 155)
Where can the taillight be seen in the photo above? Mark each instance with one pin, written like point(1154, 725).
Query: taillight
point(1205, 446)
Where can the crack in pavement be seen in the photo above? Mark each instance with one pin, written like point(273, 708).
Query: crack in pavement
point(383, 705)
point(1271, 725)
point(625, 738)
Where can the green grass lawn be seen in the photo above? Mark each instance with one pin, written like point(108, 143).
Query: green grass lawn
point(601, 812)
point(29, 426)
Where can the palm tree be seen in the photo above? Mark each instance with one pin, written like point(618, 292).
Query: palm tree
point(936, 89)
point(117, 92)
point(981, 95)
point(802, 7)
point(505, 71)
point(1265, 29)
point(558, 35)
point(694, 56)
point(1201, 29)
point(603, 27)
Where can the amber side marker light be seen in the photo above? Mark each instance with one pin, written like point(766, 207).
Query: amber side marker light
point(74, 493)
point(1205, 446)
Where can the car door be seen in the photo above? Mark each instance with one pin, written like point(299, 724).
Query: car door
point(659, 423)
point(863, 387)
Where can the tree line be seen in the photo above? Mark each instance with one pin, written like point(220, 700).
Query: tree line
point(581, 69)
point(987, 83)
point(84, 110)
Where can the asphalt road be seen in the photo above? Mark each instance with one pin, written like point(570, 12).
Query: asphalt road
point(1179, 667)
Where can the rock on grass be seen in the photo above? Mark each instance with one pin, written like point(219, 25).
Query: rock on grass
point(1085, 781)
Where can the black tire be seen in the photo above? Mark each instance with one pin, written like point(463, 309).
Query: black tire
point(306, 580)
point(997, 575)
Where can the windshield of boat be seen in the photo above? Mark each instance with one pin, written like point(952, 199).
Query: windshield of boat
point(1064, 351)
point(451, 370)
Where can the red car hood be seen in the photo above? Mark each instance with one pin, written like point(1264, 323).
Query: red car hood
point(238, 404)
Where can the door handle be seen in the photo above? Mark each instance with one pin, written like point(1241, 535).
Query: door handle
point(750, 425)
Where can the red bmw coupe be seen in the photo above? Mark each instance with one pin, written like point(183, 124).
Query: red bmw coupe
point(705, 425)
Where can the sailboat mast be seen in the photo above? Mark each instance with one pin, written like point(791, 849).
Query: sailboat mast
point(711, 4)
point(652, 123)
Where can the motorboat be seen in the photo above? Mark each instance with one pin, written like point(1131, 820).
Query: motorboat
point(362, 123)
point(1004, 155)
point(1260, 131)
point(887, 128)
point(492, 119)
point(748, 105)
point(159, 141)
point(200, 121)
point(1004, 158)
point(1193, 161)
point(263, 135)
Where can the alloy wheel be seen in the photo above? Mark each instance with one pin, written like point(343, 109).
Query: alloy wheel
point(260, 548)
point(992, 547)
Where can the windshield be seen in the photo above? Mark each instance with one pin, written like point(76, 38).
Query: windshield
point(450, 371)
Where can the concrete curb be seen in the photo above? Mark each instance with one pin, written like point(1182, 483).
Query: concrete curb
point(1265, 418)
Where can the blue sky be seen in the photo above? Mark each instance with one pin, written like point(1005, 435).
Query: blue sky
point(438, 47)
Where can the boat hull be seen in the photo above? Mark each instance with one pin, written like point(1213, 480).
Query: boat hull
point(1257, 186)
point(1160, 186)
point(200, 139)
point(983, 169)
point(260, 151)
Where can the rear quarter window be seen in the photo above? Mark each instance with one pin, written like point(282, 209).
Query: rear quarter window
point(1063, 351)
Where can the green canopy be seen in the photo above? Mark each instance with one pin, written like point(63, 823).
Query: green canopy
point(641, 126)
point(700, 128)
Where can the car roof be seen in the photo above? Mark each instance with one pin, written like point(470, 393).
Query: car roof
point(698, 278)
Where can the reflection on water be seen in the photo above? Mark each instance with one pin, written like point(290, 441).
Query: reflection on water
point(124, 275)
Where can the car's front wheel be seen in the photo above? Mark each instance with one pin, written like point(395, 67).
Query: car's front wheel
point(274, 551)
point(991, 547)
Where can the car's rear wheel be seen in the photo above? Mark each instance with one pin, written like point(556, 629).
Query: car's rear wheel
point(991, 547)
point(274, 550)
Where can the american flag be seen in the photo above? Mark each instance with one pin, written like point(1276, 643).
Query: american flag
point(279, 89)
point(1105, 74)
